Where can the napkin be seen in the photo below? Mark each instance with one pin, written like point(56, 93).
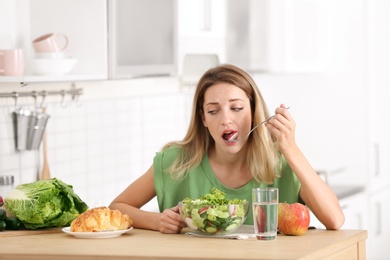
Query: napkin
point(238, 236)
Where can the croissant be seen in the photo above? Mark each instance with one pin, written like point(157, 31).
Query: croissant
point(100, 219)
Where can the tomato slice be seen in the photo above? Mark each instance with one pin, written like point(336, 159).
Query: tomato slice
point(202, 210)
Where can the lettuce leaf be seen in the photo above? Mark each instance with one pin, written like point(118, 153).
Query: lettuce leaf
point(44, 203)
point(216, 197)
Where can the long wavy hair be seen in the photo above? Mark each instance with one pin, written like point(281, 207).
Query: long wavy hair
point(262, 156)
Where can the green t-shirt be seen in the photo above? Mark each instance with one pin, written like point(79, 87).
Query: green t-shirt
point(201, 179)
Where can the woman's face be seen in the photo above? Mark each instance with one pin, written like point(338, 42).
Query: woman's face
point(227, 113)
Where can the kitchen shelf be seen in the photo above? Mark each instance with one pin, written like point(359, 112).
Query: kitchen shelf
point(84, 23)
point(52, 78)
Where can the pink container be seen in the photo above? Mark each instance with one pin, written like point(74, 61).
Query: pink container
point(11, 62)
point(51, 42)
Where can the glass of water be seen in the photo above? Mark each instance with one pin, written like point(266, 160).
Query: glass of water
point(265, 212)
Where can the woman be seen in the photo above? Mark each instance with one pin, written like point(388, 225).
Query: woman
point(227, 104)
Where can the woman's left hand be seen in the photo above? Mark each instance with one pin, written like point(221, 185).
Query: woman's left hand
point(170, 221)
point(282, 127)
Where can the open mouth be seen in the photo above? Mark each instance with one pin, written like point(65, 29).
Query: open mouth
point(229, 136)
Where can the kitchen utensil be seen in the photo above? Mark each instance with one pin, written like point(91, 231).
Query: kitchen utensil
point(265, 212)
point(21, 118)
point(51, 55)
point(49, 66)
point(45, 175)
point(99, 234)
point(11, 62)
point(6, 185)
point(237, 140)
point(36, 129)
point(50, 42)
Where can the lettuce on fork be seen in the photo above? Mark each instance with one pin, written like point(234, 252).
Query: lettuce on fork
point(44, 203)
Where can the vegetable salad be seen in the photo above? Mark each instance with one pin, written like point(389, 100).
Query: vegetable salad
point(213, 213)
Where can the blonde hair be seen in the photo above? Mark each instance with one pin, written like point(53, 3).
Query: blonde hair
point(263, 158)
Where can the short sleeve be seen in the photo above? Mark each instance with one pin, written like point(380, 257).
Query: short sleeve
point(161, 162)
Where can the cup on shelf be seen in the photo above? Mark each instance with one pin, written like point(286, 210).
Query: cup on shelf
point(11, 62)
point(53, 67)
point(51, 42)
point(49, 57)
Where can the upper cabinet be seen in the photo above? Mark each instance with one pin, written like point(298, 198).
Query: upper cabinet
point(201, 29)
point(83, 22)
point(276, 35)
point(114, 39)
point(142, 38)
point(153, 37)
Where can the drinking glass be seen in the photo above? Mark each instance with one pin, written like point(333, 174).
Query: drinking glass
point(265, 212)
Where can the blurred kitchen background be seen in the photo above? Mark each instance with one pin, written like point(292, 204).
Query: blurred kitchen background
point(138, 63)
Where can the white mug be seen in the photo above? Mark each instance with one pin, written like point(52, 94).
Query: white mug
point(50, 42)
point(11, 62)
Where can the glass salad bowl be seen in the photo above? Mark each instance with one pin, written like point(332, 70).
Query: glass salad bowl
point(209, 219)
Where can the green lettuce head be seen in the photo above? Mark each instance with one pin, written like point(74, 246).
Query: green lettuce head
point(44, 203)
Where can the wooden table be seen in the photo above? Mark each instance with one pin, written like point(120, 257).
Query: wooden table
point(145, 244)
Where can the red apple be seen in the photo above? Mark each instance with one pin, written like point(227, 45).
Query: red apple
point(260, 219)
point(293, 219)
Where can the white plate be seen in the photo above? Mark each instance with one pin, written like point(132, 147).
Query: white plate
point(101, 234)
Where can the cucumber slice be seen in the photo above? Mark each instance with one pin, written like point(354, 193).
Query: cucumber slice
point(211, 230)
point(237, 220)
point(224, 214)
point(231, 227)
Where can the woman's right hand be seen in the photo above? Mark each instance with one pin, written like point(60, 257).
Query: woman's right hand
point(170, 221)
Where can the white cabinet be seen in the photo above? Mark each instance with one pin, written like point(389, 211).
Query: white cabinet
point(84, 22)
point(201, 19)
point(355, 212)
point(379, 225)
point(142, 38)
point(276, 35)
point(152, 37)
point(246, 34)
point(379, 138)
point(379, 43)
point(201, 28)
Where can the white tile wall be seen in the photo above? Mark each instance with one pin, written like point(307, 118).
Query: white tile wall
point(100, 146)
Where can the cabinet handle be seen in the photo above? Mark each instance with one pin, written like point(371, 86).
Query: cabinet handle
point(376, 162)
point(378, 218)
point(359, 218)
point(207, 15)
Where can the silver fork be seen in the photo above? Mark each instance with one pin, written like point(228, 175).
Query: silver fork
point(237, 140)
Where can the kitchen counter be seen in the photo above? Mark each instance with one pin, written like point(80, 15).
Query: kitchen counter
point(343, 191)
point(145, 244)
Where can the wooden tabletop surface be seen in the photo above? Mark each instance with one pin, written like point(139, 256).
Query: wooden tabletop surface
point(145, 244)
